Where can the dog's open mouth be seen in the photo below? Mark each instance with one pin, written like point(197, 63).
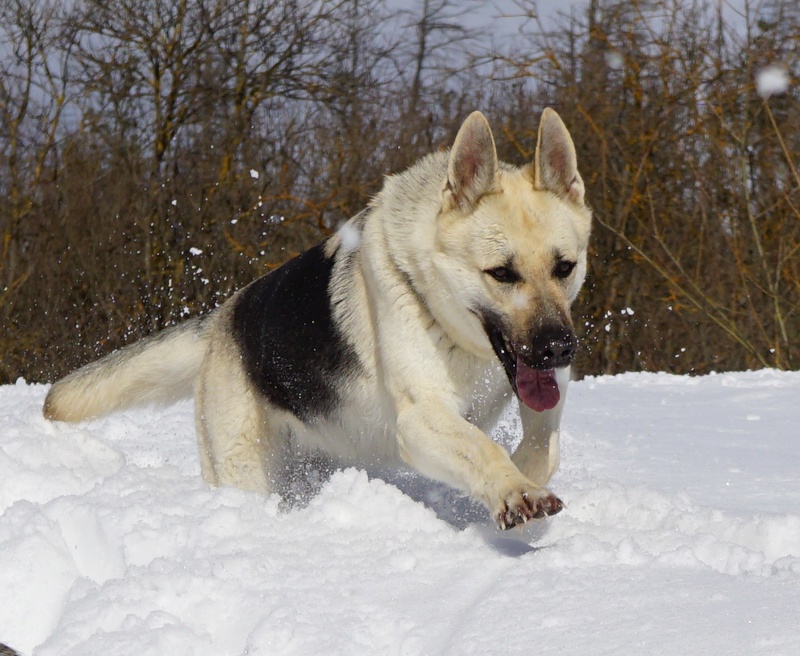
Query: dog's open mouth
point(536, 388)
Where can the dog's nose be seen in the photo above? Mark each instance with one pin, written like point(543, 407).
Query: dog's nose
point(553, 346)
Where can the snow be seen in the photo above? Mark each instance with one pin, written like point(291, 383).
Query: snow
point(615, 60)
point(681, 536)
point(772, 80)
point(350, 236)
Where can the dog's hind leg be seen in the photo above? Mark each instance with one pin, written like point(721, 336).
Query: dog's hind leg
point(237, 446)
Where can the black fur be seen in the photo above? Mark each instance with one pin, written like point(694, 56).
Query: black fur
point(292, 349)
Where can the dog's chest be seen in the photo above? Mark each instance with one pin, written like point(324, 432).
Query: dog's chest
point(363, 430)
point(360, 432)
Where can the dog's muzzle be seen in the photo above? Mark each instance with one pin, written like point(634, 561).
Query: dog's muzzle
point(531, 366)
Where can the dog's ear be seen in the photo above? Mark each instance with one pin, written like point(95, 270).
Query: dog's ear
point(555, 164)
point(472, 170)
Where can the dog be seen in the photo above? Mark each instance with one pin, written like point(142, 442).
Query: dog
point(399, 339)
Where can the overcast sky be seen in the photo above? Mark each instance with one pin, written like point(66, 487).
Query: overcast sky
point(498, 15)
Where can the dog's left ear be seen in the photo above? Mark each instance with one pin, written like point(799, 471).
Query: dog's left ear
point(472, 170)
point(555, 163)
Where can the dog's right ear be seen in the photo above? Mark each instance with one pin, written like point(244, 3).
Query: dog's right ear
point(472, 170)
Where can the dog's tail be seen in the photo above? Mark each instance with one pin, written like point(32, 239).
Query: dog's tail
point(159, 369)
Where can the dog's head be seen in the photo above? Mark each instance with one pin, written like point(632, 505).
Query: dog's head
point(511, 245)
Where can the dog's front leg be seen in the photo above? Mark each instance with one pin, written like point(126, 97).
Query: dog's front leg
point(444, 446)
point(537, 456)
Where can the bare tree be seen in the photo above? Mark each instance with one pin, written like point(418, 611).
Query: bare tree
point(155, 156)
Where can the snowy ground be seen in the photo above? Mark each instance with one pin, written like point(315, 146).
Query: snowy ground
point(681, 536)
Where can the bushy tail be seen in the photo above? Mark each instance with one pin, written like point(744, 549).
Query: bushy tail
point(159, 369)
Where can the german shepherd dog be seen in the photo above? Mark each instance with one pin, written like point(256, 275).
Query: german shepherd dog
point(399, 338)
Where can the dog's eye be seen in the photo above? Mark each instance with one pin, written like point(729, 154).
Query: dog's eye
point(503, 274)
point(563, 268)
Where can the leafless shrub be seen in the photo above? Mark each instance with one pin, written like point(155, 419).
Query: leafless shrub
point(155, 156)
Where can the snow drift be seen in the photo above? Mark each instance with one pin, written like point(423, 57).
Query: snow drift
point(681, 536)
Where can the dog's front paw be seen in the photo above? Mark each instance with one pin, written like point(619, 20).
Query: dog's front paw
point(520, 506)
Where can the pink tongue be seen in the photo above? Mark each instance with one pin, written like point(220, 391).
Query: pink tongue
point(536, 388)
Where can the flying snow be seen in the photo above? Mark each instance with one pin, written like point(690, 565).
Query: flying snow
point(520, 300)
point(350, 236)
point(772, 80)
point(254, 174)
point(614, 60)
